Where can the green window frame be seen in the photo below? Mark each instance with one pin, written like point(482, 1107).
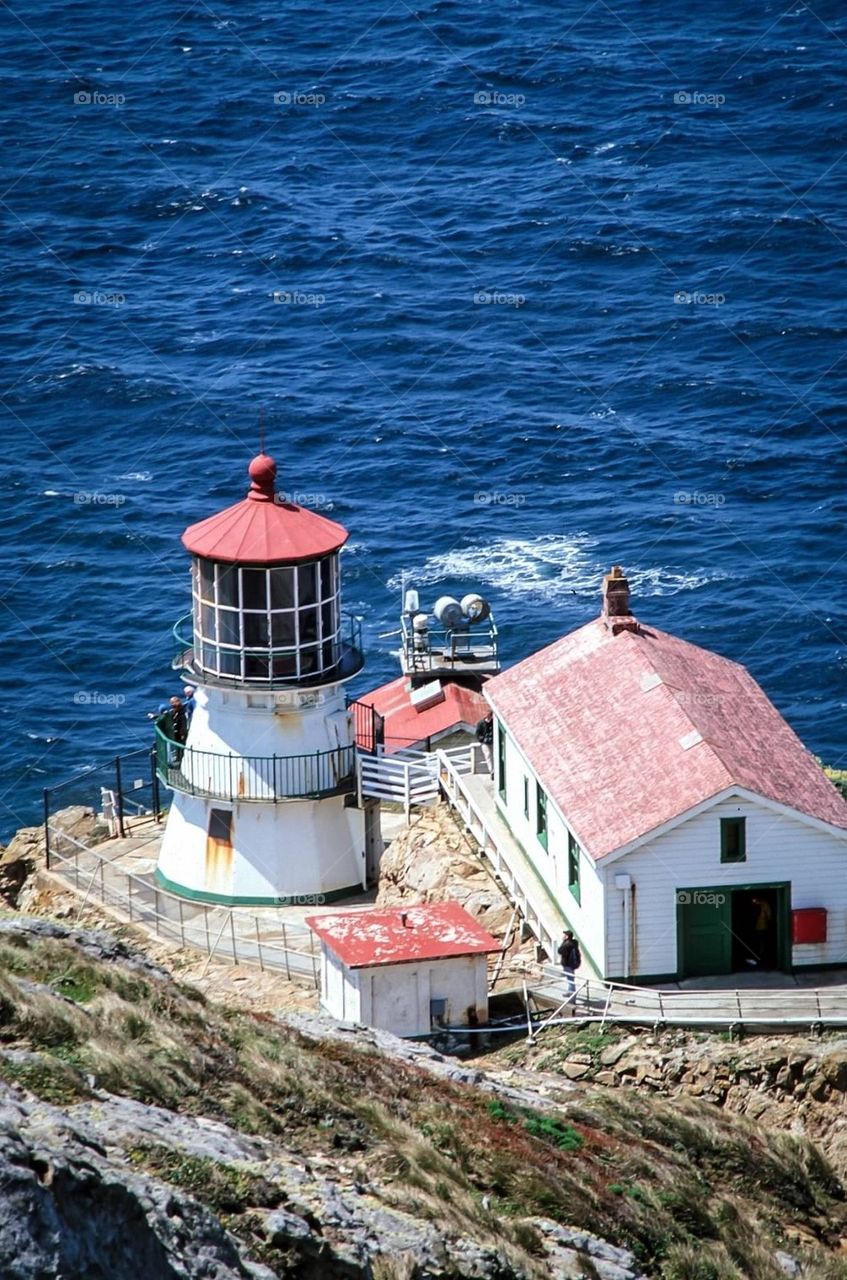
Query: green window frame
point(501, 761)
point(526, 797)
point(733, 839)
point(541, 814)
point(573, 865)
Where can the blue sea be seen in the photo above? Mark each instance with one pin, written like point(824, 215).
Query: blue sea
point(521, 290)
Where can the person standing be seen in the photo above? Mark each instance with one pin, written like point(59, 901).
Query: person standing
point(188, 703)
point(179, 729)
point(571, 958)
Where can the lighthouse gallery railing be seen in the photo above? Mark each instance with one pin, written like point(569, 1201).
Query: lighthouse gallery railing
point(232, 777)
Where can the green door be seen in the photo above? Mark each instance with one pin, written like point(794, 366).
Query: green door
point(704, 932)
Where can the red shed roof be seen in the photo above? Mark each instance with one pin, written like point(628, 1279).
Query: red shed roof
point(262, 529)
point(450, 706)
point(627, 732)
point(431, 932)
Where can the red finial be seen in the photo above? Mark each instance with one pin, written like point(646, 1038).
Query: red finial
point(262, 473)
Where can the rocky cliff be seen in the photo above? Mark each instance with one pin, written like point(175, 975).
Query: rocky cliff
point(147, 1131)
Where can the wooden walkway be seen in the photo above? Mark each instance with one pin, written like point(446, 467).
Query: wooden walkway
point(808, 1008)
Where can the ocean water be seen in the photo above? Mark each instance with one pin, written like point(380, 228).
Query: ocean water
point(522, 290)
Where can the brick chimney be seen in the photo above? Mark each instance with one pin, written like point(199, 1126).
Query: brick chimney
point(616, 608)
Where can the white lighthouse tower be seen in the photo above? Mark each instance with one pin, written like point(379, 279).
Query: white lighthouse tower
point(264, 808)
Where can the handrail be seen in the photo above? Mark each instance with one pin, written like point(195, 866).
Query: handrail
point(537, 916)
point(193, 924)
point(229, 776)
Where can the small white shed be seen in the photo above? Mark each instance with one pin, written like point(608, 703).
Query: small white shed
point(406, 970)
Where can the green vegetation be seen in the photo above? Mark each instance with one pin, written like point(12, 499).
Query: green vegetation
point(695, 1193)
point(550, 1128)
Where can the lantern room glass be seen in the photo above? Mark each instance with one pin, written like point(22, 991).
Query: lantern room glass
point(266, 625)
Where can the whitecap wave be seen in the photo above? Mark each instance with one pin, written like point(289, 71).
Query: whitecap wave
point(548, 567)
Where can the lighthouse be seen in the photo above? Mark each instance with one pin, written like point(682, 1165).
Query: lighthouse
point(265, 810)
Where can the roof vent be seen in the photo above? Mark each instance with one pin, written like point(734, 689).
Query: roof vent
point(690, 739)
point(650, 680)
point(404, 919)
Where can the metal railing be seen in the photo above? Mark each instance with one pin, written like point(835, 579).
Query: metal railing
point(268, 659)
point(441, 647)
point(617, 1002)
point(124, 787)
point(236, 936)
point(262, 778)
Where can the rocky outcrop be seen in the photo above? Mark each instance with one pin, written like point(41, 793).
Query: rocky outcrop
point(794, 1083)
point(432, 860)
point(25, 852)
point(78, 1202)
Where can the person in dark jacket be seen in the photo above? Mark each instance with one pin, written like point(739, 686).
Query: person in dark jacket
point(571, 958)
point(179, 728)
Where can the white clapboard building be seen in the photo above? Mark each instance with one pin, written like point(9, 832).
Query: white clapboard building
point(672, 813)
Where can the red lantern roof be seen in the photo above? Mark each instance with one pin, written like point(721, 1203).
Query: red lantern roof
point(263, 529)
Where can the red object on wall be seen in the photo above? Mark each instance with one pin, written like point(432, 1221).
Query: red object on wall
point(808, 924)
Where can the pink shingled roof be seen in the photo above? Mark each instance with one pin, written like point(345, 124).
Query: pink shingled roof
point(405, 725)
point(431, 932)
point(600, 719)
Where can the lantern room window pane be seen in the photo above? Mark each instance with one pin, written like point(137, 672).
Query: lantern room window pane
point(326, 579)
point(208, 627)
point(254, 589)
point(308, 660)
point(306, 584)
point(328, 622)
point(206, 579)
point(230, 662)
point(308, 625)
point(228, 586)
point(228, 630)
point(255, 630)
point(282, 588)
point(283, 634)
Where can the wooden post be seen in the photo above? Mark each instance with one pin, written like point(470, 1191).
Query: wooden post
point(259, 944)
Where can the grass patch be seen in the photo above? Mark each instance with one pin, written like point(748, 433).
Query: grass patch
point(549, 1128)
